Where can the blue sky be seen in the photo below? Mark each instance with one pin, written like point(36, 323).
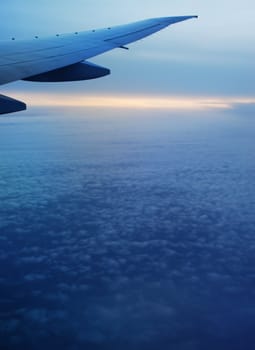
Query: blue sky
point(213, 56)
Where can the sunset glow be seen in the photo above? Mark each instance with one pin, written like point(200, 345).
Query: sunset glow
point(134, 102)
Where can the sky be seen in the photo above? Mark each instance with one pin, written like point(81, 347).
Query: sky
point(212, 57)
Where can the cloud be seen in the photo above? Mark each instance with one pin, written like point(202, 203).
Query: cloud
point(34, 277)
point(125, 231)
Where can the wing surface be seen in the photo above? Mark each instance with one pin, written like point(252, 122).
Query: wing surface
point(21, 59)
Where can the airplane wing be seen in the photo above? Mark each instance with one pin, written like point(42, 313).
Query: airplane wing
point(63, 57)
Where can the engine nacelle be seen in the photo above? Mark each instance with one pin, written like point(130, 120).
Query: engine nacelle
point(9, 105)
point(74, 72)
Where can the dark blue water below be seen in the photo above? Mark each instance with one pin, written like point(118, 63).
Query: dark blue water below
point(127, 230)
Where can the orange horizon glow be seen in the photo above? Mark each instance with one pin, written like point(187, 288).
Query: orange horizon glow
point(133, 101)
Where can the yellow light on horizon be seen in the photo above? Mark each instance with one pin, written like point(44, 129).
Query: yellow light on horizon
point(133, 102)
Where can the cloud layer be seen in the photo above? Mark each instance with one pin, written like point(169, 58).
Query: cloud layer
point(129, 231)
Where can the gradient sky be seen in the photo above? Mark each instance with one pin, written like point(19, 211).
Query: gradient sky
point(211, 57)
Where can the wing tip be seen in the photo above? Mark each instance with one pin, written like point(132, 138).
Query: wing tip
point(167, 21)
point(176, 19)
